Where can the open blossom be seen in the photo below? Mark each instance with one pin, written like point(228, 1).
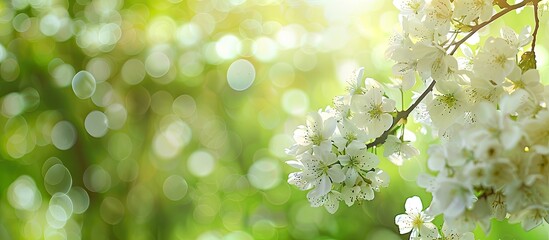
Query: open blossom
point(347, 133)
point(516, 40)
point(538, 132)
point(321, 169)
point(416, 221)
point(531, 217)
point(434, 62)
point(366, 185)
point(320, 126)
point(397, 150)
point(438, 15)
point(494, 125)
point(469, 10)
point(356, 161)
point(452, 198)
point(528, 81)
point(409, 7)
point(453, 234)
point(449, 103)
point(495, 61)
point(356, 84)
point(372, 112)
point(330, 201)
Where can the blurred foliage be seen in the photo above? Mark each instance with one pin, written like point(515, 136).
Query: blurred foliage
point(174, 145)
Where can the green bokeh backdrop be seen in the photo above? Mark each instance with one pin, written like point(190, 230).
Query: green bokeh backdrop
point(177, 161)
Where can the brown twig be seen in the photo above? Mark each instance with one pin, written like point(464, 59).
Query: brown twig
point(536, 19)
point(493, 18)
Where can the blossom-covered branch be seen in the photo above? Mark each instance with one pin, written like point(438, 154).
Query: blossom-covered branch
point(489, 112)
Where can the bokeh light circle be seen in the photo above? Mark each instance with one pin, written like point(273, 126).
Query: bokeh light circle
point(201, 163)
point(23, 194)
point(295, 102)
point(63, 135)
point(241, 75)
point(175, 187)
point(97, 179)
point(58, 179)
point(96, 124)
point(265, 174)
point(80, 199)
point(83, 84)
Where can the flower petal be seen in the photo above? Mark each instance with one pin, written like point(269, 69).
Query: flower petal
point(336, 173)
point(428, 230)
point(404, 223)
point(413, 205)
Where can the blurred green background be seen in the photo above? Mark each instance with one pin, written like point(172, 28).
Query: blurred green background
point(174, 145)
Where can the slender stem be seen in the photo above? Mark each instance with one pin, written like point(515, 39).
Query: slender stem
point(404, 114)
point(401, 115)
point(401, 99)
point(493, 18)
point(536, 19)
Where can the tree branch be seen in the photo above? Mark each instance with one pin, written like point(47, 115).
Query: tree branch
point(536, 19)
point(493, 18)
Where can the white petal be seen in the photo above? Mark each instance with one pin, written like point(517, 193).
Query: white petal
point(336, 173)
point(404, 223)
point(367, 193)
point(351, 175)
point(368, 161)
point(531, 75)
point(426, 181)
point(511, 136)
point(329, 127)
point(332, 203)
point(295, 164)
point(316, 200)
point(324, 186)
point(413, 205)
point(455, 208)
point(429, 231)
point(388, 105)
point(350, 194)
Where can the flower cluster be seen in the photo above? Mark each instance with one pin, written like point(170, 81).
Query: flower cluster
point(497, 166)
point(331, 149)
point(488, 108)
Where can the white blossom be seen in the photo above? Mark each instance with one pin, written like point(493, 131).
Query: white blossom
point(495, 61)
point(439, 15)
point(452, 198)
point(469, 10)
point(449, 103)
point(319, 128)
point(397, 150)
point(453, 234)
point(357, 161)
point(516, 40)
point(409, 7)
point(373, 112)
point(416, 221)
